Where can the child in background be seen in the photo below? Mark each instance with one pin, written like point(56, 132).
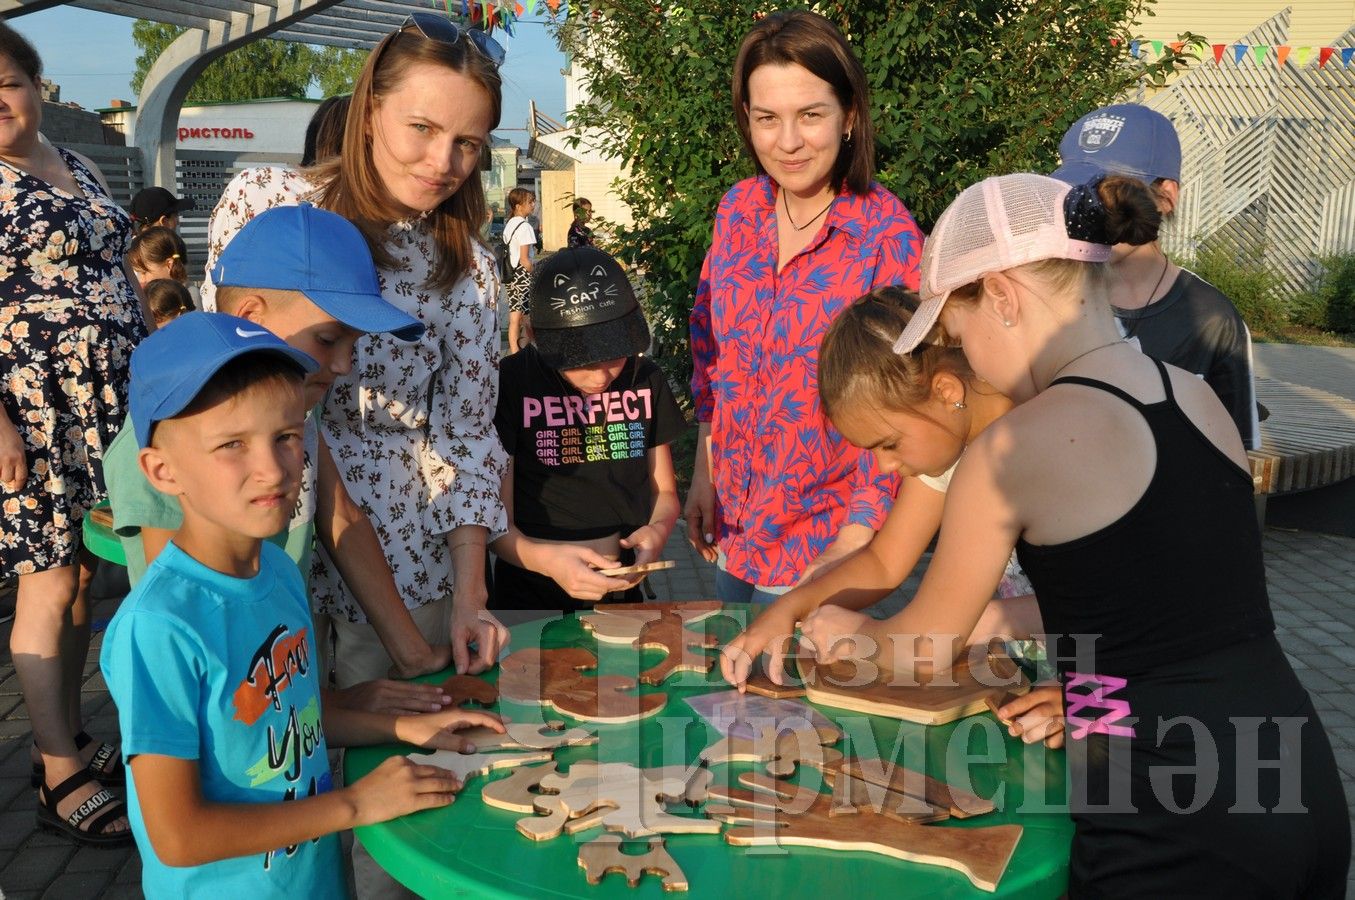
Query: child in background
point(211, 659)
point(520, 237)
point(154, 207)
point(168, 299)
point(158, 252)
point(580, 235)
point(916, 413)
point(586, 422)
point(306, 275)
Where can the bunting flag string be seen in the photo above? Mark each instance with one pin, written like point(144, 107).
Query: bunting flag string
point(1282, 54)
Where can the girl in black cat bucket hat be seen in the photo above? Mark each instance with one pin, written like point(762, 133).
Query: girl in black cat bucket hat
point(586, 422)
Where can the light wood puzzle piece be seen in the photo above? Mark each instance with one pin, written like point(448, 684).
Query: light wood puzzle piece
point(928, 700)
point(621, 623)
point(635, 798)
point(763, 686)
point(556, 819)
point(780, 752)
point(555, 679)
point(102, 515)
point(525, 736)
point(464, 689)
point(603, 854)
point(468, 765)
point(959, 803)
point(980, 854)
point(517, 792)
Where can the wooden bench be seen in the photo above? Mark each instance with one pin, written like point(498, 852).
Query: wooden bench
point(1307, 442)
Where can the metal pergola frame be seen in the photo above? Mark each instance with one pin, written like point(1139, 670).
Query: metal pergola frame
point(215, 27)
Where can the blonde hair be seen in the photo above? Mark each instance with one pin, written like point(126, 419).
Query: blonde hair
point(349, 183)
point(858, 365)
point(518, 197)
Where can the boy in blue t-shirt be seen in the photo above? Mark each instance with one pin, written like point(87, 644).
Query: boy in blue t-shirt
point(211, 660)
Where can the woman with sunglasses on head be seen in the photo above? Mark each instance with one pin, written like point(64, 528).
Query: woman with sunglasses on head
point(411, 426)
point(775, 492)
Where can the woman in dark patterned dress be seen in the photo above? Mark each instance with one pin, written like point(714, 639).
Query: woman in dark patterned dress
point(69, 318)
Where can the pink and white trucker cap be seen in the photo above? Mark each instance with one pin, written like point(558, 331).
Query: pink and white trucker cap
point(997, 224)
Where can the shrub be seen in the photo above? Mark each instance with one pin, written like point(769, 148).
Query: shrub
point(1240, 272)
point(1333, 297)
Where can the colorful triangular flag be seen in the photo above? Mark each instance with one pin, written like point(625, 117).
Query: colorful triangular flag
point(1218, 53)
point(1259, 51)
point(1239, 51)
point(1324, 54)
point(1176, 46)
point(1281, 54)
point(1304, 52)
point(1114, 42)
point(1346, 53)
point(1134, 49)
point(1157, 48)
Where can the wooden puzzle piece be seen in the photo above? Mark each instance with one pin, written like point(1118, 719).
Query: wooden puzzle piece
point(636, 797)
point(697, 778)
point(621, 623)
point(959, 803)
point(763, 686)
point(668, 634)
point(465, 689)
point(996, 702)
point(658, 565)
point(554, 678)
point(603, 855)
point(517, 792)
point(851, 795)
point(102, 515)
point(928, 700)
point(468, 765)
point(525, 736)
point(781, 752)
point(980, 854)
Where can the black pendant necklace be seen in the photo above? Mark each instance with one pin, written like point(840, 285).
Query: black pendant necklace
point(785, 201)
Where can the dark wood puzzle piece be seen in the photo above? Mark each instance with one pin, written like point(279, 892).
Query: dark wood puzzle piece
point(554, 678)
point(464, 689)
point(959, 803)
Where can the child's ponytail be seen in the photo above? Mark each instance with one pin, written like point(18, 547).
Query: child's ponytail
point(857, 362)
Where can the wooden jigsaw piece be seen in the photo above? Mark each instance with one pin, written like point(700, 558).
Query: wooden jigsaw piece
point(635, 797)
point(464, 689)
point(980, 854)
point(555, 678)
point(851, 795)
point(960, 804)
point(549, 736)
point(668, 634)
point(780, 752)
point(517, 792)
point(466, 766)
point(603, 855)
point(763, 686)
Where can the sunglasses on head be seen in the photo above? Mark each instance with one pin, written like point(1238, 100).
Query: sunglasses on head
point(436, 28)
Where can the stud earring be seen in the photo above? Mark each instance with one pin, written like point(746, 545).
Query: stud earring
point(1006, 323)
point(960, 404)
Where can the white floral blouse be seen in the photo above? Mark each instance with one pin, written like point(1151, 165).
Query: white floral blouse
point(411, 427)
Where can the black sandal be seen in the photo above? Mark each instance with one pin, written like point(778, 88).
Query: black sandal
point(102, 806)
point(99, 766)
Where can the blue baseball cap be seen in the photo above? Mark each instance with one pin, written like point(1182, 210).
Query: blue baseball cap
point(1124, 139)
point(172, 366)
point(322, 255)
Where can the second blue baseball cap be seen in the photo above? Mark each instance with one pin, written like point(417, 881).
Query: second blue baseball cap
point(174, 364)
point(322, 255)
point(1124, 139)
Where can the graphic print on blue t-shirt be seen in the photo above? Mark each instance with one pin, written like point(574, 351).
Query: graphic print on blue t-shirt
point(571, 428)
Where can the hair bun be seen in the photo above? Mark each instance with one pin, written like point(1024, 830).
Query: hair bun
point(1131, 213)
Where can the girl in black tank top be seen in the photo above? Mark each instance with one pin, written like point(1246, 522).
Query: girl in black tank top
point(1198, 766)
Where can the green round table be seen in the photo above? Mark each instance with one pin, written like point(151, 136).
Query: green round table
point(471, 849)
point(101, 540)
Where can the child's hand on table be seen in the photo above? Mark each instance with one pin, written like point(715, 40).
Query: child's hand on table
point(835, 633)
point(1036, 716)
point(393, 698)
point(398, 787)
point(771, 632)
point(437, 731)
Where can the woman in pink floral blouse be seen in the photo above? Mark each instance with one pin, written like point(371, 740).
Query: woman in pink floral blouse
point(776, 491)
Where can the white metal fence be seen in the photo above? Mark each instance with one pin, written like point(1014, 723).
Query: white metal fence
point(1268, 157)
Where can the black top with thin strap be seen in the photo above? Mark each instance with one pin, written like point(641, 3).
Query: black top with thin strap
point(1179, 574)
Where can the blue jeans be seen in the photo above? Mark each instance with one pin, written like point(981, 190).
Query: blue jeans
point(733, 589)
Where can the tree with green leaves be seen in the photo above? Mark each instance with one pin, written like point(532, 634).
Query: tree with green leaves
point(263, 68)
point(961, 89)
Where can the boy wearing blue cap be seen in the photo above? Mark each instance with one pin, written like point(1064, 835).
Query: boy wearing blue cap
point(211, 660)
point(1173, 314)
point(306, 275)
